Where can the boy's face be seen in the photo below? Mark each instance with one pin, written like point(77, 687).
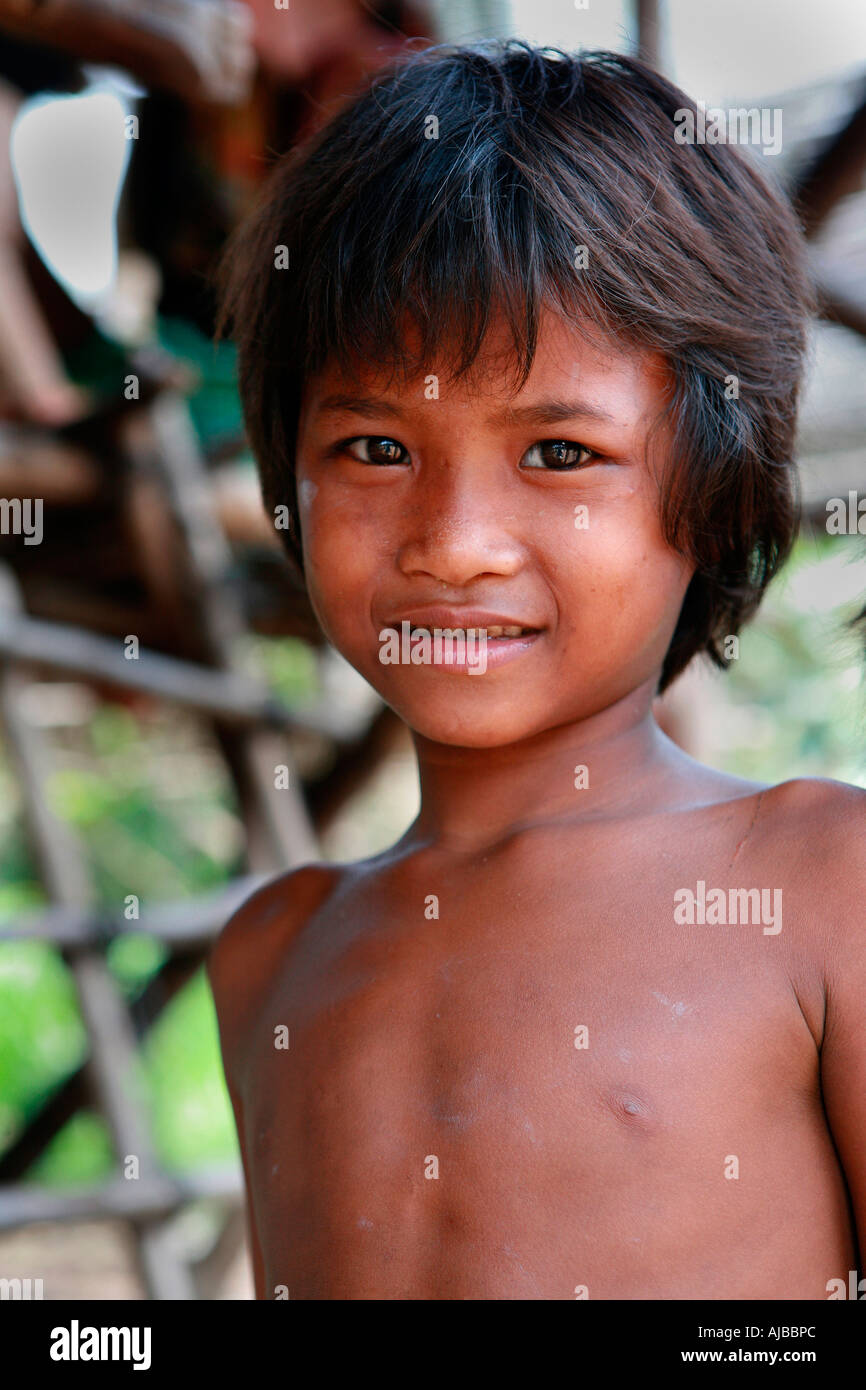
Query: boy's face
point(456, 512)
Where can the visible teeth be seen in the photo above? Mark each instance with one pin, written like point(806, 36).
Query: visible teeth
point(493, 631)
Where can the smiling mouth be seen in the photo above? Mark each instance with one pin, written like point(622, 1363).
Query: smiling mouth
point(491, 632)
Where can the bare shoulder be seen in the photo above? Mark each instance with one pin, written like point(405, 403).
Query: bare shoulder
point(247, 951)
point(816, 832)
point(820, 813)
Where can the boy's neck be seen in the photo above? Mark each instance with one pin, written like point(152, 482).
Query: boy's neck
point(473, 798)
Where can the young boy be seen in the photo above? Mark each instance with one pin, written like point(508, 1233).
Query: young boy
point(517, 362)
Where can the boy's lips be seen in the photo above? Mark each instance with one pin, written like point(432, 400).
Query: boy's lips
point(498, 637)
point(462, 619)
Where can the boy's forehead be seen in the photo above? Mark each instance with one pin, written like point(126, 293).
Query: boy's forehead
point(571, 362)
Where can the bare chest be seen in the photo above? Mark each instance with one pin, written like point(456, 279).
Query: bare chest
point(496, 1070)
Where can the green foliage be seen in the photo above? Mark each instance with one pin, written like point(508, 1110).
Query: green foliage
point(191, 1109)
point(80, 1153)
point(287, 665)
point(794, 703)
point(42, 1037)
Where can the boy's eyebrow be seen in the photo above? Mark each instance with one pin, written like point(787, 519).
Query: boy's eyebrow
point(551, 412)
point(543, 413)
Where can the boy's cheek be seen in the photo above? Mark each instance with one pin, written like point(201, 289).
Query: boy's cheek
point(340, 581)
point(334, 536)
point(626, 559)
point(619, 609)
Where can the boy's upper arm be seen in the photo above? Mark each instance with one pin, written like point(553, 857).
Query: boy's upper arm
point(843, 1053)
point(245, 955)
point(241, 964)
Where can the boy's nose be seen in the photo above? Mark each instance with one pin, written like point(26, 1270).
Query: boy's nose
point(456, 541)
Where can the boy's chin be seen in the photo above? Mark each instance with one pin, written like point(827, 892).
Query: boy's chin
point(471, 730)
point(455, 737)
point(504, 719)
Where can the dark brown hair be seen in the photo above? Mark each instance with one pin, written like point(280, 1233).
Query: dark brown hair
point(691, 252)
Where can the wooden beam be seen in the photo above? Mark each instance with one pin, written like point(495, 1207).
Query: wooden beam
point(183, 925)
point(836, 171)
point(844, 307)
point(222, 694)
point(648, 36)
point(112, 1064)
point(31, 1143)
point(152, 1197)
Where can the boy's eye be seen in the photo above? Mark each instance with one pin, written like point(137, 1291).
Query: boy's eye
point(380, 449)
point(552, 455)
point(557, 455)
